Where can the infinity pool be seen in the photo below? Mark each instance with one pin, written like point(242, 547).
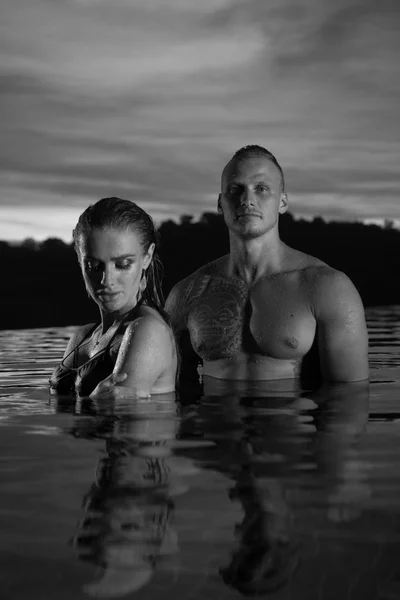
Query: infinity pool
point(215, 496)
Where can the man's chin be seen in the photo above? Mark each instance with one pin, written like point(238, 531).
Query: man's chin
point(248, 231)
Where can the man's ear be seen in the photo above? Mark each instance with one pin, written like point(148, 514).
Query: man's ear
point(283, 204)
point(219, 207)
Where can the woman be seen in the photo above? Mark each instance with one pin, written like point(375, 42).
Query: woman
point(115, 241)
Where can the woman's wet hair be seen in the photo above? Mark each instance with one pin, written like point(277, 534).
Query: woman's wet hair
point(117, 213)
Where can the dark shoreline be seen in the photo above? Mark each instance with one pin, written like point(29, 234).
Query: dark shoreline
point(42, 285)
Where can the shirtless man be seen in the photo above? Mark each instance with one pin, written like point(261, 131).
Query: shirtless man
point(258, 312)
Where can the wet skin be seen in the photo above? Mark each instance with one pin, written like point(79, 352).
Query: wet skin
point(257, 312)
point(269, 330)
point(262, 332)
point(140, 345)
point(239, 330)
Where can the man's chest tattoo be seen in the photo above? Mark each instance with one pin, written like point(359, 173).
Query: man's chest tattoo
point(216, 319)
point(194, 290)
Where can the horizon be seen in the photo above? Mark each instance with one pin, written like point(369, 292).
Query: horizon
point(382, 223)
point(150, 99)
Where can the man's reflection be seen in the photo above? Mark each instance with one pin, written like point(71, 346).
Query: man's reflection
point(266, 554)
point(276, 446)
point(341, 418)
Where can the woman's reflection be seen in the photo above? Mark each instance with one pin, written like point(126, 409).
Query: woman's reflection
point(127, 526)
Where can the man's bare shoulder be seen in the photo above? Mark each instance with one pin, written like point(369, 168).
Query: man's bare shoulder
point(312, 270)
point(331, 290)
point(325, 285)
point(189, 287)
point(186, 291)
point(341, 328)
point(296, 260)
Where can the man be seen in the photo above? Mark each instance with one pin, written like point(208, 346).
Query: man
point(262, 310)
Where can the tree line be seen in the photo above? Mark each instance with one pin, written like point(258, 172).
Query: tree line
point(43, 287)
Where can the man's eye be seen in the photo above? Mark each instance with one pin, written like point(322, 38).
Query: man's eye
point(233, 189)
point(262, 188)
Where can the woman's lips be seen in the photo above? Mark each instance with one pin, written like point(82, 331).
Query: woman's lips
point(107, 296)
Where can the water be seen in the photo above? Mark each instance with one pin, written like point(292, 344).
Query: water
point(212, 498)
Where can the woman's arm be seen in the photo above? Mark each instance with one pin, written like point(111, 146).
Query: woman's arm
point(145, 354)
point(62, 380)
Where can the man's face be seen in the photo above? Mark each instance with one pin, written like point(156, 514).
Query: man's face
point(251, 198)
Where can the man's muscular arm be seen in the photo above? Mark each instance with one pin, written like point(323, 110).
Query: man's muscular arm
point(341, 329)
point(176, 307)
point(172, 306)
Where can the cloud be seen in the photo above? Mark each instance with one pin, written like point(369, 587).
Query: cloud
point(106, 48)
point(149, 99)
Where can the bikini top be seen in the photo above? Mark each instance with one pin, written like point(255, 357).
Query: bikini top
point(83, 379)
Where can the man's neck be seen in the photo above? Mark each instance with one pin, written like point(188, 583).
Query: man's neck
point(253, 258)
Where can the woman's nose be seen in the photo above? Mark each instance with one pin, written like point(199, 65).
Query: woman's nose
point(108, 278)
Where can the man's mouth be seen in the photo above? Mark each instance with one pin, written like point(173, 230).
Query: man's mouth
point(247, 214)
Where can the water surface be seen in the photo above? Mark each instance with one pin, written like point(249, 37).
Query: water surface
point(213, 497)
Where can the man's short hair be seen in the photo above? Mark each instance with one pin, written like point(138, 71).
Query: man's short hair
point(254, 150)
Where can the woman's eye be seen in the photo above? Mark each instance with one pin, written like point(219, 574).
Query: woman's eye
point(92, 266)
point(123, 266)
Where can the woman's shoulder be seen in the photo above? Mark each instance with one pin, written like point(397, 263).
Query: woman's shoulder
point(147, 339)
point(148, 324)
point(81, 332)
point(77, 337)
point(149, 317)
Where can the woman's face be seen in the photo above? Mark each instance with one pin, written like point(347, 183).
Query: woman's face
point(112, 262)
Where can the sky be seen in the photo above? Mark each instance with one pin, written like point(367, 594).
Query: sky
point(148, 100)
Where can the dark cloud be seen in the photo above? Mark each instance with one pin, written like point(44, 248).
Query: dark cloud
point(149, 100)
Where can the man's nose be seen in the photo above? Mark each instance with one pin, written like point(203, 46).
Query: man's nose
point(247, 197)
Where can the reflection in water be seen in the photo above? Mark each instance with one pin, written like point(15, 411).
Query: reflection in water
point(284, 467)
point(278, 449)
point(128, 522)
point(272, 446)
point(341, 418)
point(266, 556)
point(281, 451)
